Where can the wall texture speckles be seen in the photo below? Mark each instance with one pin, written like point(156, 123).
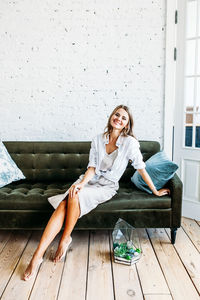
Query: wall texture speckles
point(66, 64)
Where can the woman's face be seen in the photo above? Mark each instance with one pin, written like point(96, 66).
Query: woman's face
point(119, 119)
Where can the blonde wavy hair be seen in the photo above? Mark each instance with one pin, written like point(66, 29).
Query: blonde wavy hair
point(126, 131)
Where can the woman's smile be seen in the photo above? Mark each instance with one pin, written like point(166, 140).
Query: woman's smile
point(117, 122)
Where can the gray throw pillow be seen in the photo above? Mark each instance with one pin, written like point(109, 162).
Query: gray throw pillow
point(160, 169)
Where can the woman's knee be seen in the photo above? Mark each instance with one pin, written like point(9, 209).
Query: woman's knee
point(74, 199)
point(63, 204)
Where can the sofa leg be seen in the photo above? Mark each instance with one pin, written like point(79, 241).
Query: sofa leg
point(173, 235)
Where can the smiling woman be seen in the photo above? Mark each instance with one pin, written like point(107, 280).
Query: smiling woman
point(121, 119)
point(108, 158)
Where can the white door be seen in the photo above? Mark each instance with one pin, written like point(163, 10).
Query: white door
point(187, 105)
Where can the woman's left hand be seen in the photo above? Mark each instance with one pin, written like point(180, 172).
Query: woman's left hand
point(147, 179)
point(162, 192)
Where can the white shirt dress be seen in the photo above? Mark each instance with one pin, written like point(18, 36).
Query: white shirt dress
point(108, 170)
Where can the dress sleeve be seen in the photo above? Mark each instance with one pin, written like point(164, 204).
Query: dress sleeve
point(136, 156)
point(92, 155)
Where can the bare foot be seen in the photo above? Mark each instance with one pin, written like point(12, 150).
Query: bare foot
point(32, 267)
point(62, 249)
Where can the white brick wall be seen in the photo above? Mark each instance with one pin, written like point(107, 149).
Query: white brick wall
point(64, 66)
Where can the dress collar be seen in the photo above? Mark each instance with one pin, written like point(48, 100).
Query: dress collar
point(118, 141)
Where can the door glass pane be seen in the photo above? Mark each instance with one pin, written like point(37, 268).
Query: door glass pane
point(189, 94)
point(188, 128)
point(190, 57)
point(198, 96)
point(197, 132)
point(197, 143)
point(188, 136)
point(189, 119)
point(191, 18)
point(198, 58)
point(198, 33)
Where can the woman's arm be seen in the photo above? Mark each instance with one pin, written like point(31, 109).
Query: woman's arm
point(88, 175)
point(91, 167)
point(75, 188)
point(149, 182)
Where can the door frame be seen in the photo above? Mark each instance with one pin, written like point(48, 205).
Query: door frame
point(170, 77)
point(175, 70)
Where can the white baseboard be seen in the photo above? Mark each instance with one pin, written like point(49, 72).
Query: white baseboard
point(191, 210)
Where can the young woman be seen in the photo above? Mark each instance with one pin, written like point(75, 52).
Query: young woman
point(109, 155)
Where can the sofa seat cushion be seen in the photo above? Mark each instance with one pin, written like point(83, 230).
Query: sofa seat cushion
point(131, 198)
point(29, 195)
point(33, 196)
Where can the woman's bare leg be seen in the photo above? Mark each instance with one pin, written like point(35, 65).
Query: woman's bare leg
point(52, 229)
point(73, 213)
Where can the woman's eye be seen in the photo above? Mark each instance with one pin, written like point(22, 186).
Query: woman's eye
point(117, 114)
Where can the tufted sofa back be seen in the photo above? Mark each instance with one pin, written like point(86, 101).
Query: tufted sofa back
point(61, 161)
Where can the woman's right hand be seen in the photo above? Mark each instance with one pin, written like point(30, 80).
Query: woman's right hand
point(75, 189)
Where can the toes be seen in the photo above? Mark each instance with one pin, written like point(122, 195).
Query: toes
point(57, 258)
point(26, 276)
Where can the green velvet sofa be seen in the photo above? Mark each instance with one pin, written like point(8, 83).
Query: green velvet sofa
point(51, 167)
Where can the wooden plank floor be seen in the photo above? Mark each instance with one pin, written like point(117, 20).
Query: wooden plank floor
point(164, 272)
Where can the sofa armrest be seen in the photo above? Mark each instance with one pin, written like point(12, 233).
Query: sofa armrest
point(176, 188)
